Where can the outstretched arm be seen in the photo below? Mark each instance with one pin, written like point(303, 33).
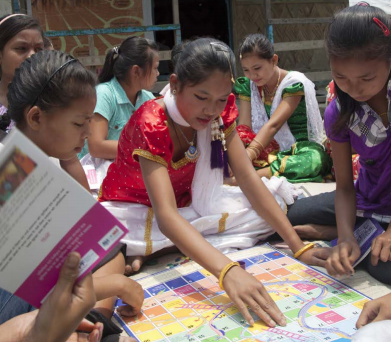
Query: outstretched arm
point(242, 287)
point(264, 203)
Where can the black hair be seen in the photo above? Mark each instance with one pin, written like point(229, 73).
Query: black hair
point(200, 58)
point(133, 51)
point(31, 83)
point(175, 53)
point(354, 33)
point(256, 44)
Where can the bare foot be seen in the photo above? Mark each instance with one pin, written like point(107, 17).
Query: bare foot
point(316, 232)
point(133, 264)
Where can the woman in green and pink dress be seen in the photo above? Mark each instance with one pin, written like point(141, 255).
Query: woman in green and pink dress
point(279, 122)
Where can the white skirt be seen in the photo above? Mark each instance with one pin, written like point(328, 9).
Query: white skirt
point(241, 228)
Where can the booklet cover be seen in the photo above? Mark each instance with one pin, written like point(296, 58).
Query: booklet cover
point(365, 231)
point(44, 215)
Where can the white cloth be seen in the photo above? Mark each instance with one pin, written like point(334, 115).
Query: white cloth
point(284, 136)
point(243, 227)
point(374, 332)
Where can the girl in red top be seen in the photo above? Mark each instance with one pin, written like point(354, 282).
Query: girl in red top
point(172, 153)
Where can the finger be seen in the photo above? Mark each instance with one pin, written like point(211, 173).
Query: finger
point(244, 311)
point(68, 274)
point(127, 311)
point(95, 336)
point(257, 304)
point(345, 261)
point(385, 253)
point(375, 252)
point(84, 290)
point(368, 314)
point(86, 326)
point(337, 266)
point(269, 306)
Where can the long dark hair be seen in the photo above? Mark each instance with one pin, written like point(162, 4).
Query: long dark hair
point(133, 51)
point(200, 58)
point(256, 43)
point(31, 84)
point(9, 29)
point(354, 33)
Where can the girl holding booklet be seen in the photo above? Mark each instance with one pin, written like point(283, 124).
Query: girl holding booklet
point(359, 47)
point(52, 99)
point(171, 153)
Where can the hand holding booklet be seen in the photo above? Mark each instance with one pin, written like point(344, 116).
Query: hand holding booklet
point(44, 215)
point(365, 231)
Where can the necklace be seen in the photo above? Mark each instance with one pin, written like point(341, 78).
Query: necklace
point(192, 153)
point(269, 94)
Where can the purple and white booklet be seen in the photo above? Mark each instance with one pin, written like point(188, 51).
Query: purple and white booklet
point(44, 215)
point(365, 231)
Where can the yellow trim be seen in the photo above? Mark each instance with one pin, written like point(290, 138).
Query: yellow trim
point(272, 157)
point(245, 98)
point(222, 222)
point(283, 164)
point(293, 148)
point(180, 163)
point(148, 155)
point(260, 163)
point(299, 93)
point(229, 130)
point(276, 174)
point(148, 232)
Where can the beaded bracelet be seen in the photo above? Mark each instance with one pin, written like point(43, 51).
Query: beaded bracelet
point(225, 271)
point(304, 249)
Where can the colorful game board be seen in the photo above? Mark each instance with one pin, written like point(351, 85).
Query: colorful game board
point(186, 304)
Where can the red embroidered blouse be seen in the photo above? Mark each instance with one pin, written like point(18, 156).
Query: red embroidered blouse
point(146, 135)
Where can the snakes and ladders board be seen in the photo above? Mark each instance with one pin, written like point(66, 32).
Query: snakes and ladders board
point(185, 304)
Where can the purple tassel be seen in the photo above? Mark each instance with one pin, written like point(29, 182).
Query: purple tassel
point(226, 170)
point(216, 157)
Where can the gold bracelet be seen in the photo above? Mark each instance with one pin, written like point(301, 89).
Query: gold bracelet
point(259, 143)
point(225, 271)
point(255, 150)
point(303, 250)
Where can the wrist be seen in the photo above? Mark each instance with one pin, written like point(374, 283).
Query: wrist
point(346, 238)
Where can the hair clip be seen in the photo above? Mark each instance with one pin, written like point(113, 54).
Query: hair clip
point(382, 26)
point(115, 49)
point(363, 3)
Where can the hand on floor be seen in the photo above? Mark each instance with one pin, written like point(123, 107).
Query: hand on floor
point(245, 290)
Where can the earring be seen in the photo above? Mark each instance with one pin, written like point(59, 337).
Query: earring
point(173, 92)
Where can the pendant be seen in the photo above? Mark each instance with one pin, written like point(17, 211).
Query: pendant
point(192, 154)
